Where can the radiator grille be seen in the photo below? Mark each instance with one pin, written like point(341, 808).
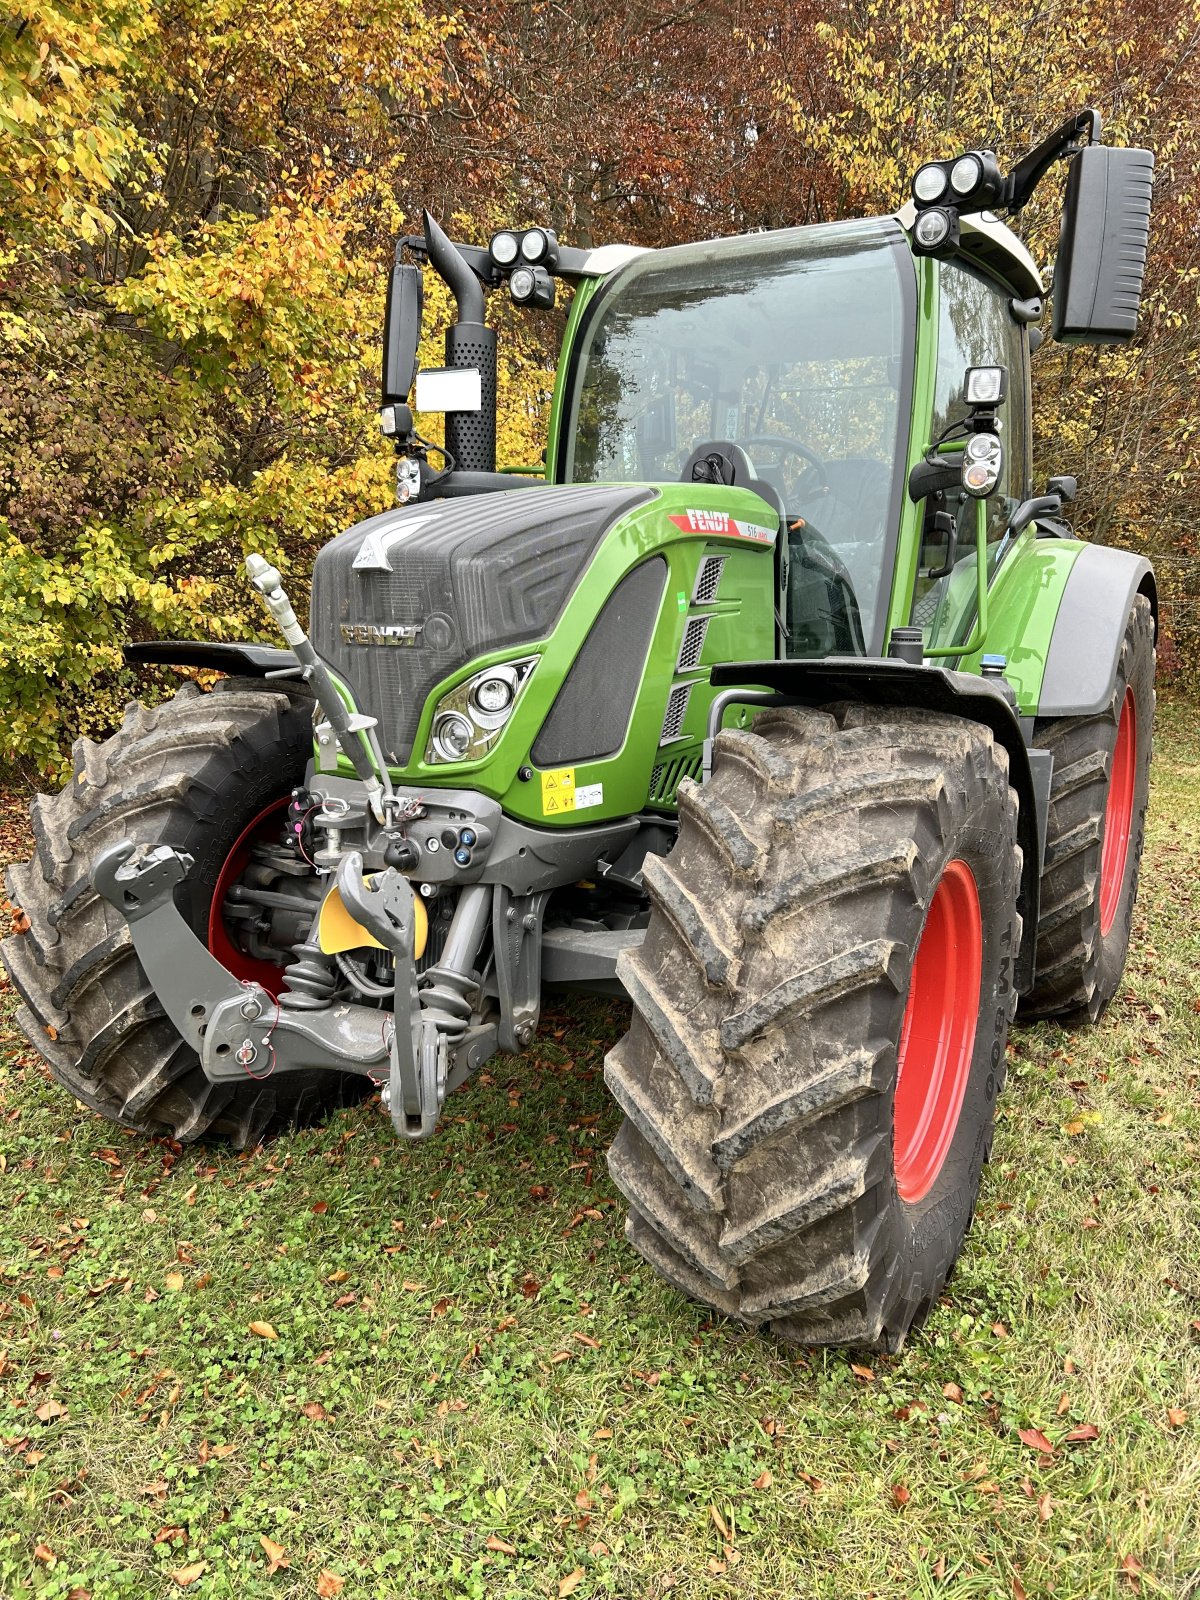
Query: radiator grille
point(708, 579)
point(692, 647)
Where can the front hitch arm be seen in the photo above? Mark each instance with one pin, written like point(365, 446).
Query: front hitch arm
point(239, 1030)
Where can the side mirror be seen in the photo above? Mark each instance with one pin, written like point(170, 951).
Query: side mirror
point(1102, 249)
point(401, 332)
point(1066, 488)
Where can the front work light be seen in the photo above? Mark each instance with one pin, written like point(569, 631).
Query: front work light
point(936, 231)
point(965, 174)
point(985, 386)
point(930, 183)
point(532, 286)
point(503, 248)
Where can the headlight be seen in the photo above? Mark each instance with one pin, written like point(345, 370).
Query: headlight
point(451, 737)
point(534, 244)
point(493, 694)
point(469, 720)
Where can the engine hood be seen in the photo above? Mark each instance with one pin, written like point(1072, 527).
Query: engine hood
point(402, 599)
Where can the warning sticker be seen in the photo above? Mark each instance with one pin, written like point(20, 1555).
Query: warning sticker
point(589, 794)
point(558, 791)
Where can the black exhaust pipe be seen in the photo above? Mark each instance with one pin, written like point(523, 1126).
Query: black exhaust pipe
point(470, 435)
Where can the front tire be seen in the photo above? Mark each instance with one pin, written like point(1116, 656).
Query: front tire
point(194, 773)
point(820, 1012)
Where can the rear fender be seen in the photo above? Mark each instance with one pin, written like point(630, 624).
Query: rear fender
point(1085, 646)
point(872, 681)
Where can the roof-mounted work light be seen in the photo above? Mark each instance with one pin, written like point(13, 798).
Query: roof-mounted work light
point(532, 286)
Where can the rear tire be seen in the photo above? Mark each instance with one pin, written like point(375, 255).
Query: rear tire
point(770, 1168)
point(192, 773)
point(1094, 836)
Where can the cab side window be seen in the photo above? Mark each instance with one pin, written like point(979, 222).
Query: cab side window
point(977, 329)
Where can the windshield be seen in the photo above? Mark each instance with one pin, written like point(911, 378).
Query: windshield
point(795, 345)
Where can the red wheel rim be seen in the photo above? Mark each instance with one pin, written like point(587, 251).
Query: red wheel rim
point(266, 825)
point(937, 1039)
point(1118, 815)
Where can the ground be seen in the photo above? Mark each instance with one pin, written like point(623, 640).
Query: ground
point(341, 1365)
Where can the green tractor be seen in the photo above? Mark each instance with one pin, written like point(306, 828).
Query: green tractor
point(780, 703)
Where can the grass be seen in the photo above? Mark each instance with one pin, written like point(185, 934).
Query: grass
point(476, 1389)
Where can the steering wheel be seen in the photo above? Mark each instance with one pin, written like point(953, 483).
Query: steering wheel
point(814, 465)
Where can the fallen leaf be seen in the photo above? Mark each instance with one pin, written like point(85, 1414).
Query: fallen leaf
point(264, 1330)
point(953, 1392)
point(1085, 1433)
point(315, 1411)
point(763, 1481)
point(329, 1584)
point(79, 1593)
point(320, 1208)
point(584, 1338)
point(1064, 1404)
point(1130, 1567)
point(43, 1553)
point(1018, 1588)
point(864, 1373)
point(1176, 1417)
point(185, 1575)
point(275, 1554)
point(174, 1281)
point(719, 1522)
point(492, 1542)
point(1073, 1128)
point(440, 1307)
point(49, 1410)
point(900, 1495)
point(339, 1276)
point(603, 1433)
point(999, 1330)
point(169, 1532)
point(1036, 1440)
point(570, 1583)
point(1045, 1507)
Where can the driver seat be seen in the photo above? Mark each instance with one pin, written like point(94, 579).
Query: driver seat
point(721, 461)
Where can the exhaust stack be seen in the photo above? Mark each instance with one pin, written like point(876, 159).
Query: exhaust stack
point(470, 343)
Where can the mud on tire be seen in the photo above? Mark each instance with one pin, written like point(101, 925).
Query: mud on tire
point(191, 773)
point(1081, 951)
point(758, 1077)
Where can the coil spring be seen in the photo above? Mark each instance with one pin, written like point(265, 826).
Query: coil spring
point(444, 995)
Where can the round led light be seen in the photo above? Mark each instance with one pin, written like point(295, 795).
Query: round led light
point(929, 183)
point(965, 174)
point(534, 244)
point(980, 446)
point(932, 228)
point(504, 249)
point(451, 736)
point(521, 284)
point(493, 695)
point(978, 476)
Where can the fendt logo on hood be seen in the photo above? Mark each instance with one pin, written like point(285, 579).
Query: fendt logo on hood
point(394, 634)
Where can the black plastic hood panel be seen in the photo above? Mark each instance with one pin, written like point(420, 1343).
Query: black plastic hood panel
point(402, 599)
